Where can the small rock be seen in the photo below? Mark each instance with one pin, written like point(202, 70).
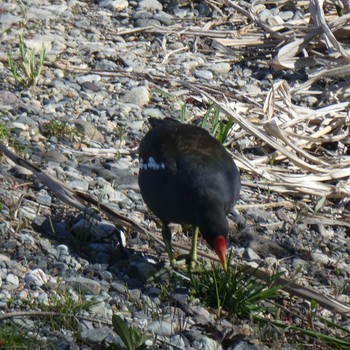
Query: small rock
point(244, 345)
point(203, 74)
point(12, 281)
point(274, 20)
point(251, 255)
point(146, 22)
point(96, 335)
point(300, 263)
point(79, 184)
point(138, 96)
point(160, 328)
point(89, 130)
point(82, 284)
point(36, 278)
point(286, 15)
point(115, 5)
point(206, 343)
point(150, 5)
point(153, 112)
point(165, 18)
point(220, 68)
point(55, 156)
point(178, 341)
point(321, 258)
point(91, 78)
point(180, 12)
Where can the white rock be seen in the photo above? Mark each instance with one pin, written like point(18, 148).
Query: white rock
point(220, 68)
point(12, 280)
point(203, 74)
point(275, 20)
point(207, 344)
point(92, 78)
point(57, 9)
point(38, 43)
point(321, 258)
point(138, 96)
point(116, 5)
point(23, 295)
point(36, 278)
point(62, 249)
point(20, 126)
point(150, 5)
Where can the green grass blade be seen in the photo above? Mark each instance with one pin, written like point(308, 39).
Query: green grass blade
point(123, 331)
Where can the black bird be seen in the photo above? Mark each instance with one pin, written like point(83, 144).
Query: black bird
point(187, 177)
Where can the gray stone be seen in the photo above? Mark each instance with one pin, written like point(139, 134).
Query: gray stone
point(55, 156)
point(12, 281)
point(219, 68)
point(44, 198)
point(91, 78)
point(274, 20)
point(89, 130)
point(203, 74)
point(160, 328)
point(178, 341)
point(264, 14)
point(99, 309)
point(244, 345)
point(36, 277)
point(82, 284)
point(251, 255)
point(79, 184)
point(96, 335)
point(180, 12)
point(147, 22)
point(286, 15)
point(150, 5)
point(206, 343)
point(138, 96)
point(153, 112)
point(8, 98)
point(320, 258)
point(165, 18)
point(114, 5)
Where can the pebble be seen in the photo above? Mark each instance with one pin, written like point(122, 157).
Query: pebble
point(220, 68)
point(97, 335)
point(206, 343)
point(12, 282)
point(138, 96)
point(36, 277)
point(150, 5)
point(160, 328)
point(82, 284)
point(203, 74)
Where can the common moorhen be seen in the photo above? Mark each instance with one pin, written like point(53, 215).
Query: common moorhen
point(187, 177)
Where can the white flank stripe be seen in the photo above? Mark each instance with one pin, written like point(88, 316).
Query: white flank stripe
point(151, 164)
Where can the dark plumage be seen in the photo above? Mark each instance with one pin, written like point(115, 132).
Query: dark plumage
point(187, 177)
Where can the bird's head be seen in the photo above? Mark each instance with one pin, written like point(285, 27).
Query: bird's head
point(214, 229)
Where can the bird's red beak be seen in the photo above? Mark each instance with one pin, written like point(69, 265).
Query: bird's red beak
point(220, 249)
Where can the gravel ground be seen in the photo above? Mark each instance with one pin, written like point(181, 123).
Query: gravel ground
point(106, 71)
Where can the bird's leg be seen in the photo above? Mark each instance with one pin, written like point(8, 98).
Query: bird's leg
point(193, 252)
point(166, 233)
